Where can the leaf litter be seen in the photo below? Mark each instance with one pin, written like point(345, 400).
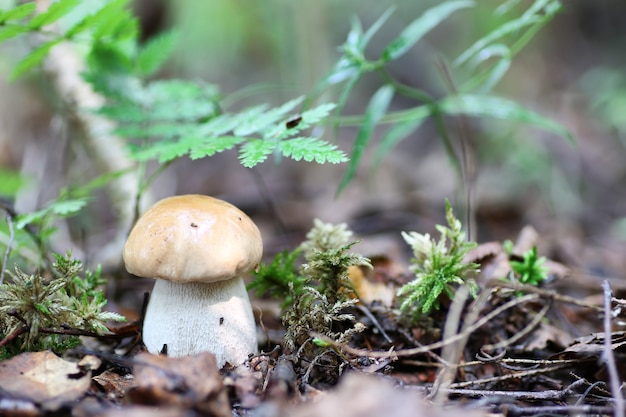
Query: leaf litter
point(514, 350)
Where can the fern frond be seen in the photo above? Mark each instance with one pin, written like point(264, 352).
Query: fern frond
point(10, 32)
point(18, 13)
point(211, 146)
point(255, 151)
point(154, 53)
point(33, 59)
point(55, 12)
point(261, 121)
point(312, 149)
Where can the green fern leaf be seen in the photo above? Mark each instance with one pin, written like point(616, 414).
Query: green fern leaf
point(160, 130)
point(263, 121)
point(154, 53)
point(179, 89)
point(33, 59)
point(312, 149)
point(10, 32)
point(108, 58)
point(307, 119)
point(125, 112)
point(214, 145)
point(219, 125)
point(246, 121)
point(315, 115)
point(55, 12)
point(127, 27)
point(256, 151)
point(101, 20)
point(62, 208)
point(18, 12)
point(164, 150)
point(172, 100)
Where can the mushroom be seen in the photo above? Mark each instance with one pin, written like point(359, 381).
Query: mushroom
point(197, 247)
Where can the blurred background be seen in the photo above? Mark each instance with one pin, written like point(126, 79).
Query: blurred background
point(274, 50)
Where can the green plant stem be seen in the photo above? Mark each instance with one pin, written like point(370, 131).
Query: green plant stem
point(405, 90)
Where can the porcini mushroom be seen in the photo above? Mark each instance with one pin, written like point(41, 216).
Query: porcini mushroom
point(197, 247)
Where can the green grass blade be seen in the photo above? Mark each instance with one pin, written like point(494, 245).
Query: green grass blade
point(376, 108)
point(55, 12)
point(376, 26)
point(18, 12)
point(500, 108)
point(33, 59)
point(420, 26)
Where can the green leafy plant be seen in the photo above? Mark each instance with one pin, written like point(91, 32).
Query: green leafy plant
point(530, 270)
point(158, 119)
point(438, 267)
point(479, 68)
point(33, 307)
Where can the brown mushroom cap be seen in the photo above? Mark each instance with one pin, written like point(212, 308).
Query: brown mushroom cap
point(193, 238)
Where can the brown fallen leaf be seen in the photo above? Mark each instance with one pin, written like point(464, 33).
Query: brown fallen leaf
point(44, 379)
point(369, 289)
point(189, 382)
point(113, 384)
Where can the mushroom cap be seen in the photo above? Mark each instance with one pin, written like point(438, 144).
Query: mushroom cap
point(193, 238)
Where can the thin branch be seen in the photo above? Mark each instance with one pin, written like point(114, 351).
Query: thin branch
point(555, 395)
point(579, 410)
point(437, 345)
point(512, 375)
point(452, 352)
point(608, 357)
point(549, 294)
point(13, 335)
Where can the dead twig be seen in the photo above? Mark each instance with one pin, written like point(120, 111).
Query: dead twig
point(607, 355)
point(554, 395)
point(451, 353)
point(579, 410)
point(505, 362)
point(512, 375)
point(13, 335)
point(549, 294)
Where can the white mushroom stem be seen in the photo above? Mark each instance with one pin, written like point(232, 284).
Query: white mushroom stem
point(201, 317)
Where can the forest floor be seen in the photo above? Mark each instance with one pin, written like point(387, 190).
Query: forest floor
point(514, 350)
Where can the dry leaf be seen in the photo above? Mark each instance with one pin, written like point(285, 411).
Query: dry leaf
point(187, 382)
point(113, 384)
point(43, 378)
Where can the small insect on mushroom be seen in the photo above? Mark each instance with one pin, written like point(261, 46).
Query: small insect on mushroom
point(198, 273)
